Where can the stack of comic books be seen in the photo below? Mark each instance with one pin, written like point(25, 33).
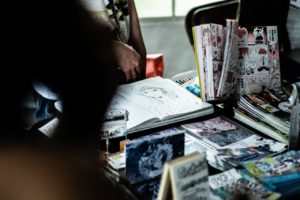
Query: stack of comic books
point(227, 144)
point(267, 111)
point(236, 60)
point(234, 183)
point(282, 171)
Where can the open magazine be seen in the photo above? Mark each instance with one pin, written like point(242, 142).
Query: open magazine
point(151, 103)
point(236, 60)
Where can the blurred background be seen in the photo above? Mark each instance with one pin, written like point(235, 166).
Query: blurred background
point(162, 24)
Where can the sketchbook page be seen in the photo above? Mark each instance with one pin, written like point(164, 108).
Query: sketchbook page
point(228, 80)
point(258, 59)
point(136, 115)
point(162, 98)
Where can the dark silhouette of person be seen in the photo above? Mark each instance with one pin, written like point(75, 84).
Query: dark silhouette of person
point(57, 43)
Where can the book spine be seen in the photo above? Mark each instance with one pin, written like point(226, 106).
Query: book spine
point(259, 126)
point(281, 178)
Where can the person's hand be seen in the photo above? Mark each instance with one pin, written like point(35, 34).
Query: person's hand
point(128, 60)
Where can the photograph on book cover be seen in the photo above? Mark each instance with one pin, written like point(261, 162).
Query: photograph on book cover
point(145, 157)
point(258, 59)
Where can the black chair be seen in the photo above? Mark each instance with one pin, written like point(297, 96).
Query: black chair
point(210, 13)
point(251, 13)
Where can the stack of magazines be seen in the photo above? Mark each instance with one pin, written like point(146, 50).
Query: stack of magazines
point(268, 111)
point(227, 144)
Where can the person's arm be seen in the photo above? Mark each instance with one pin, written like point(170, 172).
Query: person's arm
point(136, 38)
point(128, 60)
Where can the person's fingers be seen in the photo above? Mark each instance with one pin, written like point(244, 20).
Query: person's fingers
point(127, 75)
point(133, 74)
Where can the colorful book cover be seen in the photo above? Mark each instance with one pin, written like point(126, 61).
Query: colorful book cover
point(146, 156)
point(234, 182)
point(278, 169)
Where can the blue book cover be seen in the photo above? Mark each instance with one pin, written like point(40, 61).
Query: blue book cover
point(146, 156)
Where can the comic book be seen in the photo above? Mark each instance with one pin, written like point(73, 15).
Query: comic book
point(268, 111)
point(236, 60)
point(278, 169)
point(229, 142)
point(234, 182)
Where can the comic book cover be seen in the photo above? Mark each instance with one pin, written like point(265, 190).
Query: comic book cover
point(216, 132)
point(146, 156)
point(258, 59)
point(278, 169)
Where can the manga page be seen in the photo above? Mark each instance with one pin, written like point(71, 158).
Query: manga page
point(258, 59)
point(229, 76)
point(212, 42)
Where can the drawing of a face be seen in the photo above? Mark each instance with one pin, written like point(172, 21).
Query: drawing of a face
point(152, 92)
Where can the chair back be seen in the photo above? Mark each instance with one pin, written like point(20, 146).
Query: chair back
point(210, 13)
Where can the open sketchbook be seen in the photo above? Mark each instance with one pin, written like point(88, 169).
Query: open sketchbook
point(236, 60)
point(155, 102)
